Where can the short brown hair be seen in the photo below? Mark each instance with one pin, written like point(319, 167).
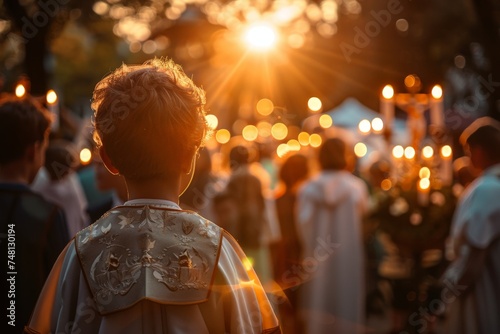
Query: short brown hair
point(23, 122)
point(150, 118)
point(332, 154)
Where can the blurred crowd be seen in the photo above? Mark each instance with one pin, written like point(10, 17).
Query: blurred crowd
point(321, 233)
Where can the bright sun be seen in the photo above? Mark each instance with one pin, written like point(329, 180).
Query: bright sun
point(261, 37)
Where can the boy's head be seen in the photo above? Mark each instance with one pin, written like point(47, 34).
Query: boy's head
point(24, 131)
point(149, 119)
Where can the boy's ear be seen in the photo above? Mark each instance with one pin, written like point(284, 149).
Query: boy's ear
point(107, 161)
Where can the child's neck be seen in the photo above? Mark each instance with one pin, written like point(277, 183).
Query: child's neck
point(154, 188)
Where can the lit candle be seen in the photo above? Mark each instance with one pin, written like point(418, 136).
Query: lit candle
point(423, 191)
point(53, 106)
point(436, 106)
point(446, 165)
point(20, 90)
point(387, 106)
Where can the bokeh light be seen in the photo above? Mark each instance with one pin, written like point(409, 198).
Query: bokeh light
point(360, 150)
point(446, 151)
point(222, 136)
point(212, 121)
point(409, 152)
point(424, 173)
point(85, 156)
point(388, 92)
point(398, 151)
point(325, 121)
point(264, 129)
point(364, 126)
point(437, 92)
point(386, 184)
point(424, 183)
point(250, 132)
point(314, 104)
point(315, 140)
point(282, 150)
point(279, 131)
point(265, 107)
point(427, 152)
point(20, 90)
point(51, 97)
point(303, 138)
point(377, 124)
point(293, 145)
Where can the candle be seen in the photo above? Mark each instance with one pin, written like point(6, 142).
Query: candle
point(446, 165)
point(387, 106)
point(436, 106)
point(53, 107)
point(423, 191)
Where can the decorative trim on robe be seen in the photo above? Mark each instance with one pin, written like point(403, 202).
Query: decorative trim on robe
point(134, 253)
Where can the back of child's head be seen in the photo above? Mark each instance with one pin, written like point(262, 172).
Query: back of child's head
point(149, 118)
point(23, 122)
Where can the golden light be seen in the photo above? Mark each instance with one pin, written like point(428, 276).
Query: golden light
point(424, 183)
point(264, 129)
point(85, 156)
point(427, 152)
point(437, 92)
point(446, 151)
point(222, 136)
point(265, 107)
point(282, 150)
point(325, 121)
point(279, 131)
point(293, 145)
point(51, 97)
point(303, 138)
point(261, 37)
point(315, 140)
point(314, 104)
point(388, 92)
point(409, 152)
point(377, 124)
point(212, 121)
point(250, 132)
point(364, 126)
point(424, 173)
point(398, 151)
point(386, 184)
point(20, 90)
point(360, 150)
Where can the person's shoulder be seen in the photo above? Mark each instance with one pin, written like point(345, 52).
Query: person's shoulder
point(40, 205)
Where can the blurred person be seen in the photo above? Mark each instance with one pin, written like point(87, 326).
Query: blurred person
point(474, 273)
point(106, 181)
point(287, 252)
point(199, 195)
point(58, 182)
point(330, 208)
point(148, 266)
point(246, 189)
point(34, 230)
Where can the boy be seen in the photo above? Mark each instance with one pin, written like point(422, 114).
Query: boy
point(148, 266)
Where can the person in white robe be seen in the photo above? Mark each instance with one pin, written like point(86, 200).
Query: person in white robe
point(330, 211)
point(472, 280)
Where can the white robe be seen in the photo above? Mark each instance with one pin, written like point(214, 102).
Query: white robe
point(236, 303)
point(329, 211)
point(475, 272)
